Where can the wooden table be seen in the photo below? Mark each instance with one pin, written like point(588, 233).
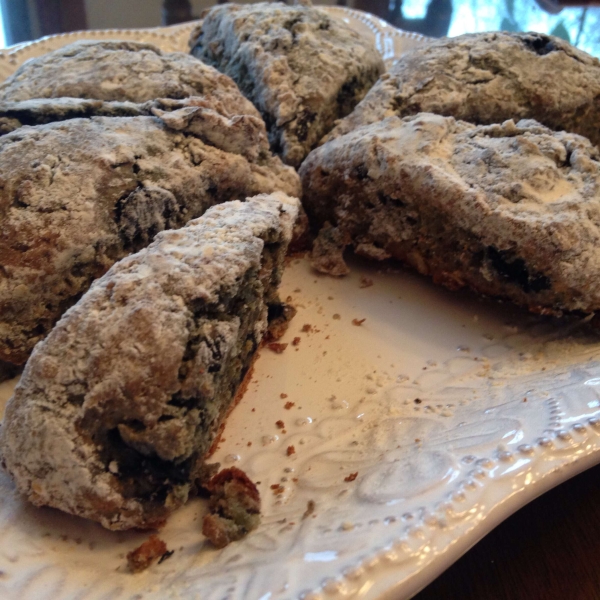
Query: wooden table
point(545, 551)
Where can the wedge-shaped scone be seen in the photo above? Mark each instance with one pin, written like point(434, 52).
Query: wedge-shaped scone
point(78, 195)
point(511, 211)
point(118, 406)
point(121, 71)
point(301, 68)
point(487, 78)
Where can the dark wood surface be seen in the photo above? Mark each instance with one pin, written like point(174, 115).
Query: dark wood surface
point(547, 550)
point(59, 16)
point(176, 11)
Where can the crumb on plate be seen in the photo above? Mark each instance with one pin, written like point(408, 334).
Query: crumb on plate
point(145, 554)
point(277, 347)
point(310, 509)
point(234, 506)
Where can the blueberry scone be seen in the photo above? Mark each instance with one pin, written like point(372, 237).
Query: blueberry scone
point(80, 194)
point(301, 68)
point(118, 406)
point(487, 78)
point(508, 210)
point(121, 71)
point(40, 111)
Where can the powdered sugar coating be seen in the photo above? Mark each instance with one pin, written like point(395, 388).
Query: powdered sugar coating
point(129, 375)
point(489, 78)
point(40, 111)
point(80, 194)
point(300, 67)
point(508, 210)
point(121, 71)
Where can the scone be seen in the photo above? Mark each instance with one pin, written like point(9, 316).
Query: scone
point(487, 78)
point(118, 406)
point(121, 71)
point(40, 111)
point(301, 68)
point(80, 194)
point(510, 210)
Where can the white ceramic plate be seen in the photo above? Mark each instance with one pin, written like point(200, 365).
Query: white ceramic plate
point(390, 42)
point(413, 432)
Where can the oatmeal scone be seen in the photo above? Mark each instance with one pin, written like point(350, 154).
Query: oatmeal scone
point(121, 71)
point(80, 194)
point(508, 210)
point(301, 68)
point(487, 78)
point(118, 406)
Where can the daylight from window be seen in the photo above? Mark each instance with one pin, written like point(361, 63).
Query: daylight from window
point(580, 26)
point(2, 38)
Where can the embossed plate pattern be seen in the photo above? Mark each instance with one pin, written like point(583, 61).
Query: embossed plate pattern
point(406, 437)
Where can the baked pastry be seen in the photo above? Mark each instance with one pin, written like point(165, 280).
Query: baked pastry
point(510, 210)
point(146, 553)
point(301, 68)
point(79, 195)
point(234, 507)
point(41, 111)
point(121, 71)
point(118, 406)
point(487, 78)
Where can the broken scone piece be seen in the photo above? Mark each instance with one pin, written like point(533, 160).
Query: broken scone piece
point(300, 67)
point(234, 507)
point(509, 210)
point(118, 407)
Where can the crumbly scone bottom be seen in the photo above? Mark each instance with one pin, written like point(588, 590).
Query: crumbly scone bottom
point(386, 228)
point(158, 485)
point(120, 406)
point(455, 259)
point(150, 480)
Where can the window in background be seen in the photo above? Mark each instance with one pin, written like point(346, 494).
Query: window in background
point(2, 37)
point(580, 26)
